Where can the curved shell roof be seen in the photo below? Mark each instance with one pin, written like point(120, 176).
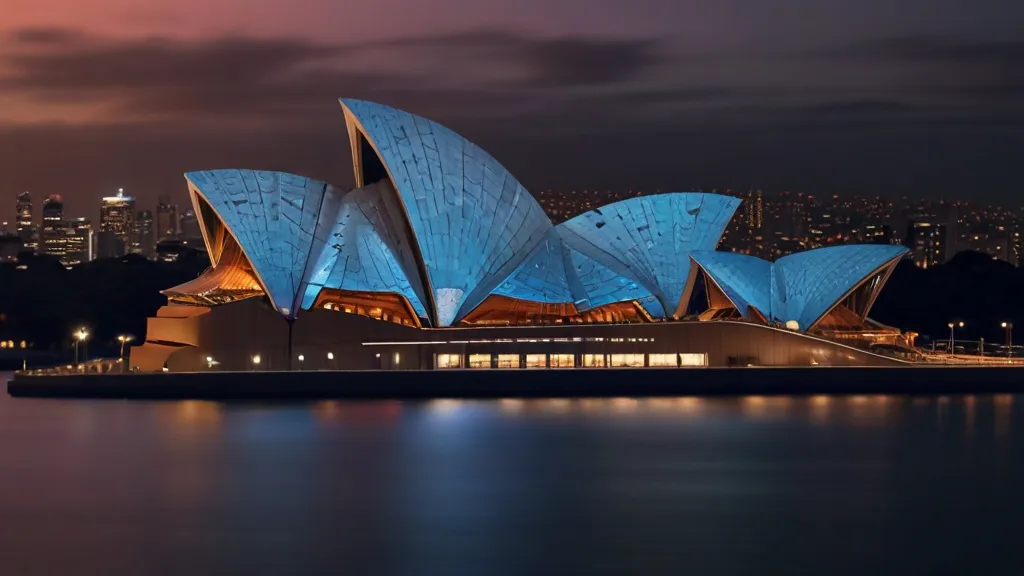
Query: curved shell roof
point(439, 221)
point(271, 215)
point(801, 287)
point(473, 221)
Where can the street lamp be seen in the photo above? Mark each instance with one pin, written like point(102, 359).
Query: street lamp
point(302, 359)
point(255, 362)
point(952, 338)
point(80, 335)
point(124, 339)
point(1008, 328)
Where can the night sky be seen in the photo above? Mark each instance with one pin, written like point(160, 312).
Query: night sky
point(921, 97)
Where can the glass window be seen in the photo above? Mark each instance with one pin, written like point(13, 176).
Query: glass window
point(508, 360)
point(563, 360)
point(693, 359)
point(479, 360)
point(662, 360)
point(449, 361)
point(593, 360)
point(624, 360)
point(536, 360)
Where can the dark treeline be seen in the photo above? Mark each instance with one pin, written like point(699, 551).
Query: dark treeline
point(44, 302)
point(971, 288)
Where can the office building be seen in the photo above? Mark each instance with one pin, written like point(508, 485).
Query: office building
point(145, 239)
point(117, 218)
point(27, 231)
point(926, 241)
point(54, 234)
point(166, 219)
point(80, 246)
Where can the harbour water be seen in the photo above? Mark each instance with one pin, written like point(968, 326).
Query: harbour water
point(819, 485)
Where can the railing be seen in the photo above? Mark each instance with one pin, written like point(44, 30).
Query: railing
point(95, 366)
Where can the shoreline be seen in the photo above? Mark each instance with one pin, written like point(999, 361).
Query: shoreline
point(520, 383)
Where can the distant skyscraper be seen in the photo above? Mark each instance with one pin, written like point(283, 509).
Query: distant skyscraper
point(109, 245)
point(754, 210)
point(927, 243)
point(190, 226)
point(145, 242)
point(79, 242)
point(54, 240)
point(117, 217)
point(26, 229)
point(166, 218)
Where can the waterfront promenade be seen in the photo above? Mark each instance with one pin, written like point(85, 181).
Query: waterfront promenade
point(519, 383)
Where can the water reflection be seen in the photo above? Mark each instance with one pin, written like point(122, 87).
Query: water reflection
point(705, 485)
point(192, 413)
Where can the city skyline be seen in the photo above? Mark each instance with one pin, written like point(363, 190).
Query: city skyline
point(847, 97)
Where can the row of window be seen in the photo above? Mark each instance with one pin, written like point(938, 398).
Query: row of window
point(568, 360)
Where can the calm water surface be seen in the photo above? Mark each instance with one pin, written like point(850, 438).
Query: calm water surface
point(824, 485)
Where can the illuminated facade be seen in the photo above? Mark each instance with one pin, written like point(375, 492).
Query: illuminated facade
point(438, 237)
point(802, 290)
point(117, 225)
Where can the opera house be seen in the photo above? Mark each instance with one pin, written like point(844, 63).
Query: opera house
point(438, 258)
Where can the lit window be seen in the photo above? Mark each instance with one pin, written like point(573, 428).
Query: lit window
point(626, 360)
point(508, 360)
point(536, 360)
point(563, 360)
point(662, 359)
point(449, 361)
point(479, 360)
point(693, 359)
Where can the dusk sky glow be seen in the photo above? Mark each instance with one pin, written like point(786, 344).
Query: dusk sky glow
point(920, 97)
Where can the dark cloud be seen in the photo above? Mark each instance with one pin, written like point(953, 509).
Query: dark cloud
point(578, 113)
point(590, 62)
point(45, 36)
point(295, 81)
point(550, 61)
point(976, 69)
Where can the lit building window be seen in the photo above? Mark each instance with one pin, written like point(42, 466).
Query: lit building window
point(479, 360)
point(662, 360)
point(508, 360)
point(626, 360)
point(449, 361)
point(593, 360)
point(536, 360)
point(693, 359)
point(563, 360)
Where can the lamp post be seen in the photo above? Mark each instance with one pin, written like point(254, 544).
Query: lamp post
point(123, 339)
point(255, 362)
point(1008, 329)
point(80, 337)
point(952, 335)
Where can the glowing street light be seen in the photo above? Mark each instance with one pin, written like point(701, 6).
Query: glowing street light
point(80, 336)
point(952, 339)
point(255, 361)
point(124, 339)
point(1008, 328)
